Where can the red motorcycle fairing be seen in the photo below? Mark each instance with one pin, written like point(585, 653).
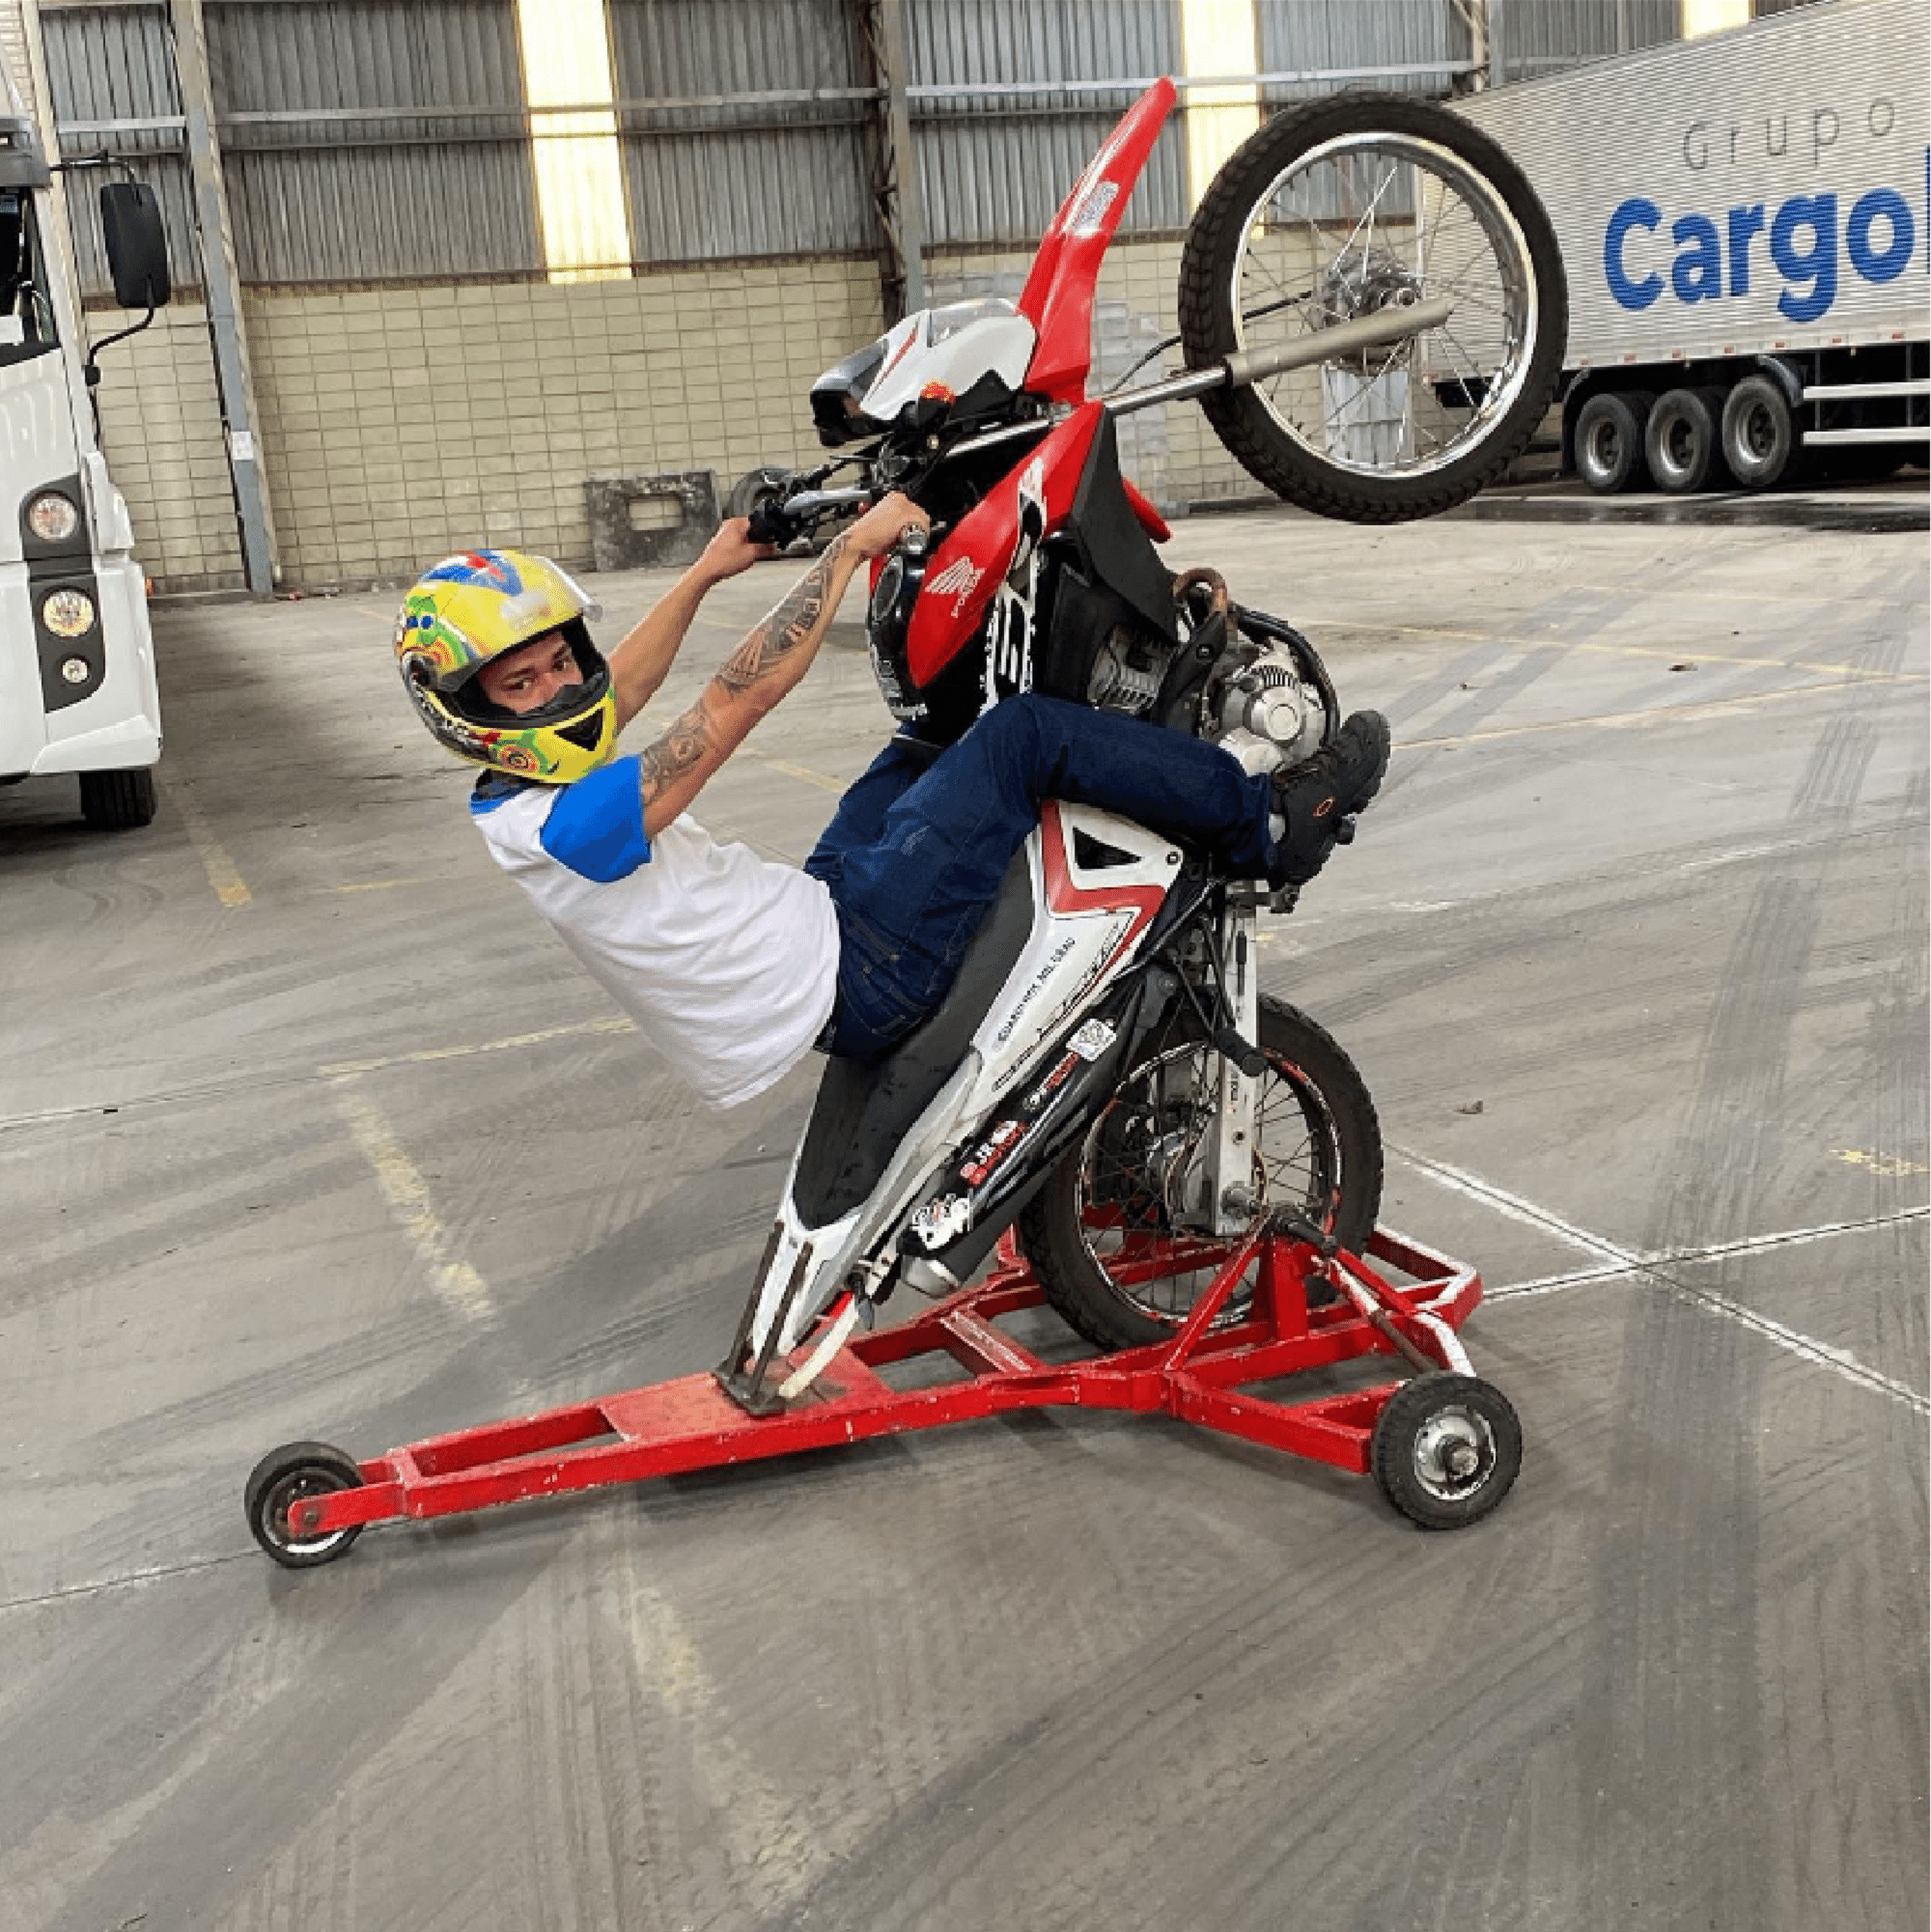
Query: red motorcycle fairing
point(984, 552)
point(1057, 299)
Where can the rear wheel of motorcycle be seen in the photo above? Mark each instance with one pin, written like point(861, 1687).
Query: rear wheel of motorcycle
point(1344, 208)
point(1098, 1235)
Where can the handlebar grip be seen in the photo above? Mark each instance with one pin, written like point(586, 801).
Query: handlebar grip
point(770, 524)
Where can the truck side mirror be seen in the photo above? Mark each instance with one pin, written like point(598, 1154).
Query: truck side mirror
point(137, 244)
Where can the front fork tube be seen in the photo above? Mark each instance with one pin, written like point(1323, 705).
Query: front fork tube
point(1234, 1177)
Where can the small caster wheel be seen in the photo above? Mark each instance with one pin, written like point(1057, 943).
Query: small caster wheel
point(1447, 1449)
point(279, 1481)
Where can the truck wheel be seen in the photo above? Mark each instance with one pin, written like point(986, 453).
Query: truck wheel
point(1609, 441)
point(1345, 207)
point(118, 802)
point(1682, 440)
point(1760, 441)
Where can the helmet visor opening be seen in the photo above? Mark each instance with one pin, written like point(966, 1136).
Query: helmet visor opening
point(582, 694)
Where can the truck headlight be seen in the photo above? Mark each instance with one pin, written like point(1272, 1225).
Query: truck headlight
point(68, 613)
point(52, 517)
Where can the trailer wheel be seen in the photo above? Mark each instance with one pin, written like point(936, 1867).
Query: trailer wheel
point(1609, 441)
point(279, 1481)
point(118, 802)
point(1447, 1449)
point(1343, 207)
point(1760, 441)
point(1683, 440)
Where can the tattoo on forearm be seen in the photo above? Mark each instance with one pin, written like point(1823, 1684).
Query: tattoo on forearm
point(672, 755)
point(692, 738)
point(783, 631)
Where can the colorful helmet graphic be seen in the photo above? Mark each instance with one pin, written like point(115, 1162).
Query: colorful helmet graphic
point(473, 608)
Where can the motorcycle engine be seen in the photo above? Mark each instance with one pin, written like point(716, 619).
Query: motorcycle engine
point(1266, 714)
point(1127, 671)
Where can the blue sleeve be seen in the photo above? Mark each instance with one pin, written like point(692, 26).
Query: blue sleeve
point(596, 825)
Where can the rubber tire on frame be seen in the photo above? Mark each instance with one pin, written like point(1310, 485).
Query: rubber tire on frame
point(1762, 398)
point(1207, 322)
point(118, 802)
point(1404, 1415)
point(1048, 1228)
point(1622, 414)
point(1700, 412)
point(333, 1471)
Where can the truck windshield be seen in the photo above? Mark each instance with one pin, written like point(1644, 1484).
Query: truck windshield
point(26, 311)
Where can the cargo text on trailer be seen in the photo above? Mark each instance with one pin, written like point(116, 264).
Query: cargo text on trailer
point(78, 691)
point(1748, 239)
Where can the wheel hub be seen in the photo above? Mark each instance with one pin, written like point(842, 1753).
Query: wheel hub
point(1364, 286)
point(1453, 1451)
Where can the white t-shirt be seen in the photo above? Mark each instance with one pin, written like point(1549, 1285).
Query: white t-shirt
point(727, 962)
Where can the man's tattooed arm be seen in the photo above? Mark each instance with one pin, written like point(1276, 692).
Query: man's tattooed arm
point(680, 750)
point(794, 622)
point(762, 668)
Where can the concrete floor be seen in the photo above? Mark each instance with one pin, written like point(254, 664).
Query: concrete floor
point(310, 1129)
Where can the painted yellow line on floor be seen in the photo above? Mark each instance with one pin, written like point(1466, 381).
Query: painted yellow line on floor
point(456, 1285)
point(379, 884)
point(228, 887)
point(340, 1069)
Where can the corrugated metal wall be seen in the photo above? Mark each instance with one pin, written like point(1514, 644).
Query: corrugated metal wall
point(1404, 46)
point(370, 141)
point(111, 74)
point(1536, 37)
point(356, 191)
point(772, 171)
point(1011, 97)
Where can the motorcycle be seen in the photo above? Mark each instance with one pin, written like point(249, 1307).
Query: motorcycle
point(1372, 311)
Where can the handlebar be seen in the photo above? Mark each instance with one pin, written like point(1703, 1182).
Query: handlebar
point(783, 519)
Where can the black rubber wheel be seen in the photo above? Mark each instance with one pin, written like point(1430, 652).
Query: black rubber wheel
point(1100, 1236)
point(1447, 1449)
point(1760, 441)
point(280, 1480)
point(1609, 441)
point(118, 802)
point(1343, 207)
point(1683, 441)
point(751, 489)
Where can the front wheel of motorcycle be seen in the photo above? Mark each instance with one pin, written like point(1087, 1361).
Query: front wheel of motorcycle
point(1342, 208)
point(1112, 1257)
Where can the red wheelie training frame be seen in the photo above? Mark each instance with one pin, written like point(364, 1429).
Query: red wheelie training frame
point(1444, 1446)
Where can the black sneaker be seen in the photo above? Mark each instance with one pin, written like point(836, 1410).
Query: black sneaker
point(1317, 799)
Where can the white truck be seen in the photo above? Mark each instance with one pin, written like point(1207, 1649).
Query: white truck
point(78, 691)
point(1745, 224)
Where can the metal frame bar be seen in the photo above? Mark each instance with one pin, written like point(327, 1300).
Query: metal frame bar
point(1202, 1375)
point(221, 291)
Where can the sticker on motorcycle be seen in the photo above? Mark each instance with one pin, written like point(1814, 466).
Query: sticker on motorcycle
point(1009, 637)
point(1092, 1039)
point(942, 1220)
point(958, 580)
point(989, 1152)
point(1052, 1083)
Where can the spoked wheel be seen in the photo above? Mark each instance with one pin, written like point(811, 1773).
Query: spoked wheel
point(1447, 1449)
point(1105, 1235)
point(280, 1480)
point(1342, 208)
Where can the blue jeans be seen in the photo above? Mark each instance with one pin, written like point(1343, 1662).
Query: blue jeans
point(917, 849)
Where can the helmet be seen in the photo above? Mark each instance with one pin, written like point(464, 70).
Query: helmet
point(474, 607)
